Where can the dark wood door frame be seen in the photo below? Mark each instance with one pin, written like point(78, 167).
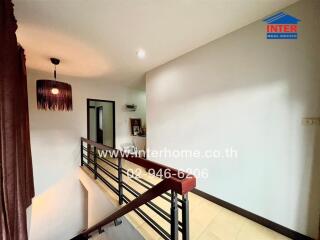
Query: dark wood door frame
point(113, 120)
point(99, 131)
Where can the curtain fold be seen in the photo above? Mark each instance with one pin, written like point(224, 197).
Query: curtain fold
point(16, 176)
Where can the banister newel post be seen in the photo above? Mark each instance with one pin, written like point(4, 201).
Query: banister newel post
point(81, 147)
point(174, 215)
point(95, 162)
point(185, 217)
point(120, 180)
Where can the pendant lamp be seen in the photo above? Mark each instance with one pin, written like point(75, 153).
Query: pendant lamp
point(52, 94)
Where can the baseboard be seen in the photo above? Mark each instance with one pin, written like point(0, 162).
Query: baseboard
point(262, 221)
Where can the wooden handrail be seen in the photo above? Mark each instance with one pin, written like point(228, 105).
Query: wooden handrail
point(177, 181)
point(152, 193)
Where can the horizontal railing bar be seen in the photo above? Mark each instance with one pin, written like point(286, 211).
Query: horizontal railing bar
point(101, 168)
point(105, 160)
point(84, 148)
point(136, 203)
point(123, 170)
point(135, 178)
point(177, 182)
point(166, 216)
point(108, 184)
point(89, 159)
point(181, 182)
point(136, 194)
point(95, 144)
point(111, 164)
point(114, 178)
point(102, 178)
point(88, 166)
point(163, 233)
point(151, 205)
point(109, 174)
point(143, 180)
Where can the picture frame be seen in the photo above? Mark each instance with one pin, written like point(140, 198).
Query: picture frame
point(135, 126)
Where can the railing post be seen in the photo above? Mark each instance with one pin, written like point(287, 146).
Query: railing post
point(120, 180)
point(185, 217)
point(174, 216)
point(95, 162)
point(81, 149)
point(88, 153)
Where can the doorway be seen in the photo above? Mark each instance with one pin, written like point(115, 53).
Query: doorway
point(101, 121)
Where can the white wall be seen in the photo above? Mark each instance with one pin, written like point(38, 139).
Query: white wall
point(99, 206)
point(55, 143)
point(59, 213)
point(251, 94)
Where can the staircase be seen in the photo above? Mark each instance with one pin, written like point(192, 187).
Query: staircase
point(148, 193)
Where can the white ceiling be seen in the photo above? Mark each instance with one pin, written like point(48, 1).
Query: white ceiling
point(98, 39)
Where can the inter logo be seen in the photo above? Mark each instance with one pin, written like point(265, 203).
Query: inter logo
point(282, 26)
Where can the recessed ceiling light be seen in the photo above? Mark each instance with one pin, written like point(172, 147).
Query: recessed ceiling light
point(141, 54)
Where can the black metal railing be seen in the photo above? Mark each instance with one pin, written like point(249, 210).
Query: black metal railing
point(111, 172)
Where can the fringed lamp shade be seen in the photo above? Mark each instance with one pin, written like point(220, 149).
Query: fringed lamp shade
point(54, 95)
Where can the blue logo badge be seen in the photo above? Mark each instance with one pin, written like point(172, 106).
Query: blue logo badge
point(282, 26)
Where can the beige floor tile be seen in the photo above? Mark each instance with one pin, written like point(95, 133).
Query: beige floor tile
point(253, 231)
point(208, 221)
point(281, 237)
point(148, 233)
point(208, 235)
point(226, 225)
point(201, 214)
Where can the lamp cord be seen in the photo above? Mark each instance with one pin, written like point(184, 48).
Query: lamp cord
point(55, 72)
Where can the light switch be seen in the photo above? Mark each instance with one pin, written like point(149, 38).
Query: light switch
point(311, 121)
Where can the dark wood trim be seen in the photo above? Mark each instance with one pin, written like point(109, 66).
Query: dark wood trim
point(258, 219)
point(98, 133)
point(88, 119)
point(114, 117)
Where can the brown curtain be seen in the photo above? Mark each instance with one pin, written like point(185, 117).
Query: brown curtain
point(16, 177)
